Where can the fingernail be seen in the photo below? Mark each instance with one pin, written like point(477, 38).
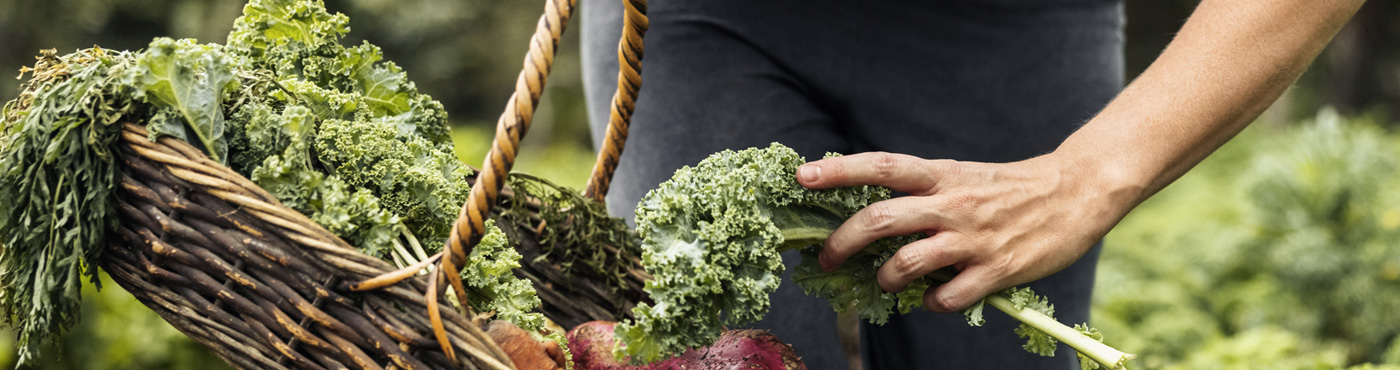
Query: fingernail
point(808, 173)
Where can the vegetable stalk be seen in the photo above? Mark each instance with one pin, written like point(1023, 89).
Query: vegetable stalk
point(1089, 347)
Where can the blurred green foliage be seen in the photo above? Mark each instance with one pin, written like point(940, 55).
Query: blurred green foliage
point(1281, 251)
point(563, 162)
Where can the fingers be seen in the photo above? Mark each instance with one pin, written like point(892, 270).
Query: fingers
point(900, 172)
point(918, 259)
point(965, 289)
point(894, 217)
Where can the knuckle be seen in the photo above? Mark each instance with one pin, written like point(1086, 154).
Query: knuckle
point(879, 217)
point(908, 262)
point(944, 303)
point(947, 167)
point(885, 165)
point(1001, 266)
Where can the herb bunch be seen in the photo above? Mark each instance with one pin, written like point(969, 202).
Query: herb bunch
point(57, 170)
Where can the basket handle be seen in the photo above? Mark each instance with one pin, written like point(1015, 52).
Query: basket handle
point(629, 80)
point(514, 122)
point(510, 128)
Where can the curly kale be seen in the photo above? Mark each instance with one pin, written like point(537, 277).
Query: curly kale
point(423, 182)
point(300, 40)
point(338, 120)
point(346, 138)
point(494, 288)
point(711, 237)
point(353, 214)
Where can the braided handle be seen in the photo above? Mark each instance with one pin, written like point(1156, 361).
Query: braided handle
point(514, 122)
point(629, 80)
point(511, 127)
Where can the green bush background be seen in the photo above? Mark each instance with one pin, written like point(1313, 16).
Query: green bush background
point(1280, 251)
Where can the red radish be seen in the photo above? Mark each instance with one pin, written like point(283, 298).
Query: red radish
point(591, 344)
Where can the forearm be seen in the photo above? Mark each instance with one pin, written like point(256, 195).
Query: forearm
point(1230, 61)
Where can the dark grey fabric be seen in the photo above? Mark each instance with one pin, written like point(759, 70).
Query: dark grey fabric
point(981, 80)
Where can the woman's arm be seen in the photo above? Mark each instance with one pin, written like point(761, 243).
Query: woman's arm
point(1008, 224)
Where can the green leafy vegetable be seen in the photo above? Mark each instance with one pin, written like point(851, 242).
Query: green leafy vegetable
point(336, 120)
point(575, 221)
point(57, 170)
point(853, 286)
point(299, 39)
point(344, 137)
point(421, 181)
point(187, 82)
point(332, 131)
point(1086, 363)
point(495, 288)
point(712, 237)
point(1037, 342)
point(355, 216)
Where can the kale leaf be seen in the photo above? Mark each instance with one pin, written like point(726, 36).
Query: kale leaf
point(187, 83)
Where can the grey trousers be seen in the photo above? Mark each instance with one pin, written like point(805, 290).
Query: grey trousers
point(979, 80)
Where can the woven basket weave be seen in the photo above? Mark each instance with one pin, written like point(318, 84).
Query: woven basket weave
point(265, 287)
point(260, 284)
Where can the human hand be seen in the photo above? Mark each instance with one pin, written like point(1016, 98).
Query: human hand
point(999, 224)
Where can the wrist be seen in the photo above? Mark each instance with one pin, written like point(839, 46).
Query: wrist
point(1103, 177)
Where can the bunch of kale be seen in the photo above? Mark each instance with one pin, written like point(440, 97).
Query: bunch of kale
point(712, 237)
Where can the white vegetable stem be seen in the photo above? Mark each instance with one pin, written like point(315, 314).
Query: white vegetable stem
point(408, 258)
point(413, 242)
point(402, 255)
point(1090, 347)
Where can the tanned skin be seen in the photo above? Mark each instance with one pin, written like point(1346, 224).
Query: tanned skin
point(1004, 224)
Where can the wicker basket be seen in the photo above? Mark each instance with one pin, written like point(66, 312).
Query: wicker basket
point(264, 287)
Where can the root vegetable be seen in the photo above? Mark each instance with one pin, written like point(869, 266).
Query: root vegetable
point(523, 349)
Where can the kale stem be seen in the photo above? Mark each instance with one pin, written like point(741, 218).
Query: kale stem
point(403, 253)
point(398, 261)
point(413, 242)
point(1090, 347)
point(803, 236)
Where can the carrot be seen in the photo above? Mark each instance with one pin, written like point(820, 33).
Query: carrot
point(522, 348)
